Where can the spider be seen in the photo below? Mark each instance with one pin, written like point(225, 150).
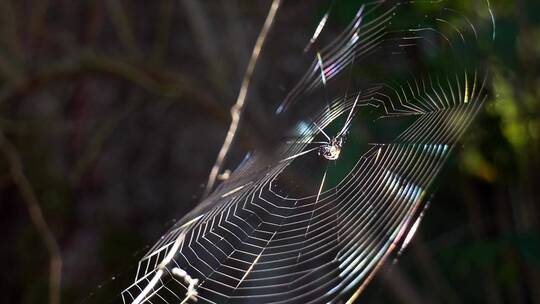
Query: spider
point(330, 149)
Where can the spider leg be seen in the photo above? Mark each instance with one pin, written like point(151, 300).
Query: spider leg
point(299, 154)
point(347, 123)
point(321, 66)
point(292, 142)
point(322, 131)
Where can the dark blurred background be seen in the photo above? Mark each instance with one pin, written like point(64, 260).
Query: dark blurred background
point(112, 113)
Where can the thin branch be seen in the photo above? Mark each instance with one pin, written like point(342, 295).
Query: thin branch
point(163, 29)
point(37, 19)
point(238, 107)
point(206, 40)
point(98, 141)
point(437, 282)
point(236, 33)
point(400, 285)
point(9, 29)
point(122, 25)
point(162, 82)
point(10, 54)
point(36, 216)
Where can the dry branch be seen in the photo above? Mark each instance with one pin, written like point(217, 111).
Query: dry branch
point(238, 107)
point(36, 216)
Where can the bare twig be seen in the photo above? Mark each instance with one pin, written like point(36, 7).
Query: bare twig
point(236, 33)
point(98, 140)
point(207, 42)
point(93, 22)
point(36, 216)
point(400, 286)
point(37, 19)
point(439, 284)
point(163, 28)
point(238, 107)
point(478, 229)
point(10, 54)
point(162, 82)
point(122, 25)
point(8, 31)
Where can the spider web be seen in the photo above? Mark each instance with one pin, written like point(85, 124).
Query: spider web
point(289, 226)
